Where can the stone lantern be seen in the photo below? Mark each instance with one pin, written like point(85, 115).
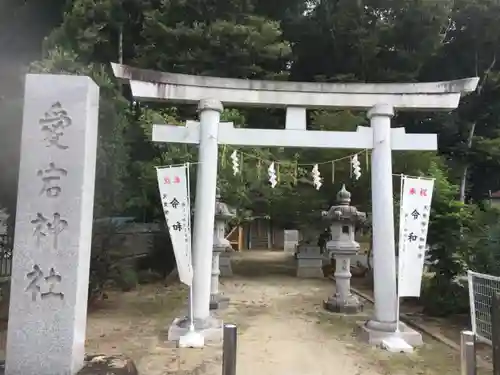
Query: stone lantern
point(222, 215)
point(343, 219)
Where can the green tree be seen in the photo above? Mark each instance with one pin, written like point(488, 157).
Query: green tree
point(251, 47)
point(369, 40)
point(469, 137)
point(450, 231)
point(114, 116)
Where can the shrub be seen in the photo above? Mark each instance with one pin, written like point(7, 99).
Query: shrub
point(126, 277)
point(106, 245)
point(442, 297)
point(450, 230)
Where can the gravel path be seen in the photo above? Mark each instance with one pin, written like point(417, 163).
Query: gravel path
point(283, 329)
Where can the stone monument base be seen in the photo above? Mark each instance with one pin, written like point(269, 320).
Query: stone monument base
point(310, 262)
point(100, 364)
point(219, 301)
point(108, 365)
point(327, 259)
point(351, 305)
point(375, 337)
point(211, 329)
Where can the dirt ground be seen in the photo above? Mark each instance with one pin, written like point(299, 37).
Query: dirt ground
point(282, 329)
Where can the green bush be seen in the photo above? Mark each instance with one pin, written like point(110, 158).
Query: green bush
point(126, 277)
point(106, 245)
point(485, 256)
point(149, 276)
point(450, 231)
point(443, 297)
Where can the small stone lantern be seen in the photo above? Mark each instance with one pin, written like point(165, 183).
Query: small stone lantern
point(343, 219)
point(222, 215)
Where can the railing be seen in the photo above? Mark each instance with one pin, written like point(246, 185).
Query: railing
point(482, 288)
point(468, 360)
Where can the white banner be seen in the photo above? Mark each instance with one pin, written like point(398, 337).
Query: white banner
point(414, 222)
point(174, 191)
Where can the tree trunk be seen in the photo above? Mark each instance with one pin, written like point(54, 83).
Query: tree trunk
point(463, 181)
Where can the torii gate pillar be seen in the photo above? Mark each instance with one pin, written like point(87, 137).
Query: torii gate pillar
point(383, 220)
point(204, 218)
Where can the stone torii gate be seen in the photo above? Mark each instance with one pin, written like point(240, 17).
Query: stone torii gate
point(380, 100)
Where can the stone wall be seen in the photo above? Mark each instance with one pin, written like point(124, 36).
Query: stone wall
point(130, 240)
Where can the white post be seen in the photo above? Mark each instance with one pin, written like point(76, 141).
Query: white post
point(384, 256)
point(206, 183)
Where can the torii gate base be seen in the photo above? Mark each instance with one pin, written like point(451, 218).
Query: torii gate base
point(379, 99)
point(211, 328)
point(370, 333)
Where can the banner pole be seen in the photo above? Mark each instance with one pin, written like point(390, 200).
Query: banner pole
point(191, 339)
point(191, 318)
point(188, 183)
point(400, 247)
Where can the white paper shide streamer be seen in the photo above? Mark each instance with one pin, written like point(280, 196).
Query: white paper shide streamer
point(271, 172)
point(414, 222)
point(316, 176)
point(235, 162)
point(356, 167)
point(174, 192)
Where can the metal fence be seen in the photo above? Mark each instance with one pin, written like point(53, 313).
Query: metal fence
point(482, 288)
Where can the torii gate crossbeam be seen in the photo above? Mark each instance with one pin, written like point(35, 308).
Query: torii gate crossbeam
point(362, 138)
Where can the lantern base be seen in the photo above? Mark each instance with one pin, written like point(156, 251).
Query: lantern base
point(218, 302)
point(349, 305)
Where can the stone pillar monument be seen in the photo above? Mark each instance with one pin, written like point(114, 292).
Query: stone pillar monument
point(343, 219)
point(309, 256)
point(222, 215)
point(53, 232)
point(290, 241)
